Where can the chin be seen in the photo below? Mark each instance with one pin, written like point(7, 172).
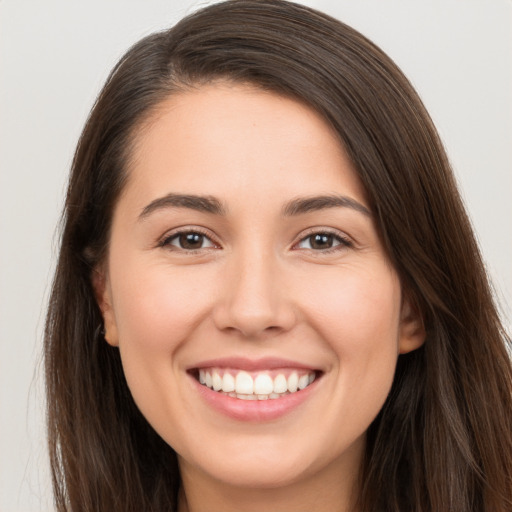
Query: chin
point(276, 462)
point(275, 472)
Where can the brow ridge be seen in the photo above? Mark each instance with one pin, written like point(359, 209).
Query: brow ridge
point(207, 204)
point(304, 205)
point(210, 204)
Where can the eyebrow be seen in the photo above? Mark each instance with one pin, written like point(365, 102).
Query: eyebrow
point(210, 204)
point(207, 204)
point(303, 205)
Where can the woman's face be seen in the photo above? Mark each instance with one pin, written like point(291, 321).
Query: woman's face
point(243, 253)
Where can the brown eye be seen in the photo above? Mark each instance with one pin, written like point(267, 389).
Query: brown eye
point(189, 241)
point(323, 242)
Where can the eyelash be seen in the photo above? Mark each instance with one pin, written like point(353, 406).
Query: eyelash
point(167, 240)
point(342, 241)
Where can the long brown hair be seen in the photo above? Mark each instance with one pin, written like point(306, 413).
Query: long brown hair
point(443, 440)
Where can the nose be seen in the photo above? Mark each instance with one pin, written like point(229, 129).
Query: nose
point(254, 300)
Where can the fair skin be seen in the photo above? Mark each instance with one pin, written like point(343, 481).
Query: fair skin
point(255, 271)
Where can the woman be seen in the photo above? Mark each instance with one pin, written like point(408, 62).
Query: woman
point(268, 295)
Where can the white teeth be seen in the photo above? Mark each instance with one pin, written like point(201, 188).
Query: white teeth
point(280, 384)
point(262, 387)
point(303, 381)
point(263, 384)
point(228, 383)
point(293, 382)
point(216, 381)
point(244, 384)
point(243, 396)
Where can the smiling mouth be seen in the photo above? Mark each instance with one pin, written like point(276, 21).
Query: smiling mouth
point(263, 385)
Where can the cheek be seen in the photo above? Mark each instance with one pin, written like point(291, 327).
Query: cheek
point(357, 307)
point(357, 312)
point(157, 310)
point(157, 306)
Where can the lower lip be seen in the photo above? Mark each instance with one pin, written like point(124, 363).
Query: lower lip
point(254, 410)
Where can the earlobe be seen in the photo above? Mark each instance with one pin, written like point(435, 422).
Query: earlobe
point(412, 328)
point(102, 292)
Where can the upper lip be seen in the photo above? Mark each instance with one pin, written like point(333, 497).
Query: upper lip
point(243, 363)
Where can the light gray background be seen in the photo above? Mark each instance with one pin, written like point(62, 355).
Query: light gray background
point(54, 57)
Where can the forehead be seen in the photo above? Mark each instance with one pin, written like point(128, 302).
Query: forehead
point(226, 139)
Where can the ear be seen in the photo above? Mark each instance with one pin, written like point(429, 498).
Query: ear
point(412, 328)
point(103, 293)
